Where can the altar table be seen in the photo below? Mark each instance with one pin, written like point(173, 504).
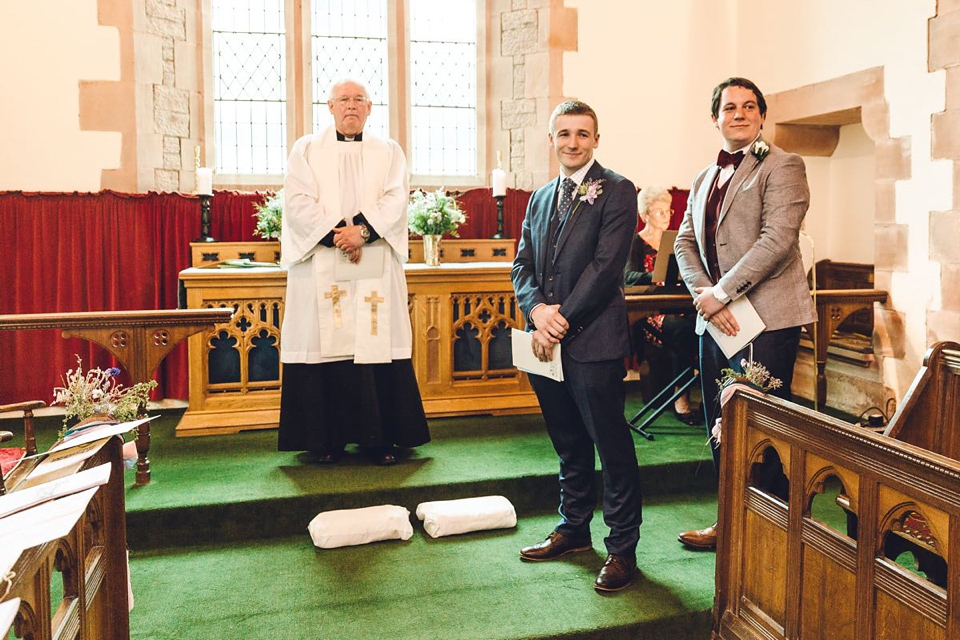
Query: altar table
point(461, 314)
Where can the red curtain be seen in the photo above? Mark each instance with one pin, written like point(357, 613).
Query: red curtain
point(481, 212)
point(87, 252)
point(112, 251)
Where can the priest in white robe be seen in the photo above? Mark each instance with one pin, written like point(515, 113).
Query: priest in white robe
point(346, 340)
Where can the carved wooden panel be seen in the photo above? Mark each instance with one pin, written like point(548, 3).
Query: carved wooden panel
point(853, 542)
point(243, 355)
point(481, 335)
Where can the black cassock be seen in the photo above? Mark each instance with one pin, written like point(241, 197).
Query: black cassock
point(324, 407)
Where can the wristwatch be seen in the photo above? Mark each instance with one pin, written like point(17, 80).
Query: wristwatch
point(364, 232)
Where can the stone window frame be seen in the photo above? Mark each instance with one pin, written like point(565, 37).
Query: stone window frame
point(300, 87)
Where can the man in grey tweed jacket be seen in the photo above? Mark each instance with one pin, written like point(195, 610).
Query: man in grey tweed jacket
point(740, 237)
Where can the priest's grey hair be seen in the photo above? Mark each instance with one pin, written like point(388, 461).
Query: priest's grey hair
point(342, 81)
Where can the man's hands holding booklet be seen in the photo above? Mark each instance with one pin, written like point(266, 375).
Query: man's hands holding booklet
point(550, 326)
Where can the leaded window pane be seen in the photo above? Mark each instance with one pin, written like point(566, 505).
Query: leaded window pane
point(249, 88)
point(443, 97)
point(349, 39)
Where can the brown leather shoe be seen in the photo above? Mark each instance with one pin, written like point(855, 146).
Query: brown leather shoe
point(700, 538)
point(617, 572)
point(553, 547)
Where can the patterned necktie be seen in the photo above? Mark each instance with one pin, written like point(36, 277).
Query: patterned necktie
point(566, 197)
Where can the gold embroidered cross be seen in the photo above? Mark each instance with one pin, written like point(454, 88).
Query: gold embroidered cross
point(373, 299)
point(335, 294)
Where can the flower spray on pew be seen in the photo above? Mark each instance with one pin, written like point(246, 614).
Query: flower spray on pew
point(94, 399)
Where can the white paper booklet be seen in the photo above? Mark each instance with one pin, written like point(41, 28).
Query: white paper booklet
point(45, 522)
point(8, 557)
point(370, 265)
point(523, 358)
point(60, 464)
point(21, 499)
point(750, 327)
point(100, 433)
point(8, 611)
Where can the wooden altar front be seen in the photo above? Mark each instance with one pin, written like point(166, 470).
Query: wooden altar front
point(461, 313)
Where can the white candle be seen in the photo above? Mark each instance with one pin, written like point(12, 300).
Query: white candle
point(205, 181)
point(498, 178)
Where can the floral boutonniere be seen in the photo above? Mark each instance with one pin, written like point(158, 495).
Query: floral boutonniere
point(760, 149)
point(589, 190)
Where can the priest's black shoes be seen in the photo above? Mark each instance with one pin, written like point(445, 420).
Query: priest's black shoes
point(617, 573)
point(383, 456)
point(554, 546)
point(329, 458)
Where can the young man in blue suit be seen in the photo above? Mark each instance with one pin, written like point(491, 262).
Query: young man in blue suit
point(567, 274)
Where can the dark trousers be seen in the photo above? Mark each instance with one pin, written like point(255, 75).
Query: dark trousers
point(583, 411)
point(775, 350)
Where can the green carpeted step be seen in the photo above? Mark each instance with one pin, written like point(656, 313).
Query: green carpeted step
point(229, 486)
point(464, 587)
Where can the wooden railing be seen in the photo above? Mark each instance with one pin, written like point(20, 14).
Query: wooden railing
point(140, 340)
point(92, 563)
point(816, 519)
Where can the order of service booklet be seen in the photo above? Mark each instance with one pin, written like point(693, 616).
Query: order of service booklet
point(523, 358)
point(750, 327)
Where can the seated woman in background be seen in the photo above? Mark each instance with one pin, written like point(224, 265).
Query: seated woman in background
point(673, 334)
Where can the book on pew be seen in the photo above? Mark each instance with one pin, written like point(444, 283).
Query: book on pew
point(22, 499)
point(8, 557)
point(100, 432)
point(59, 464)
point(44, 522)
point(8, 611)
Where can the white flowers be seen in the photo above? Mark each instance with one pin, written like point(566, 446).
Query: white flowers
point(760, 149)
point(434, 213)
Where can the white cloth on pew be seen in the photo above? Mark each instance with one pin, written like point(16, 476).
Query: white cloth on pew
point(450, 517)
point(346, 527)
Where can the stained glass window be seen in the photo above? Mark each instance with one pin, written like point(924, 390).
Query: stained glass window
point(350, 41)
point(443, 87)
point(249, 86)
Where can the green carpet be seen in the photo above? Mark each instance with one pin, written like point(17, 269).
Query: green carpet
point(220, 547)
point(471, 586)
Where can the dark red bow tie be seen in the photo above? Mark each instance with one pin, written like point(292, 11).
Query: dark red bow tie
point(726, 158)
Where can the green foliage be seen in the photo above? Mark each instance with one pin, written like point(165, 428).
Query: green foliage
point(269, 215)
point(434, 213)
point(97, 391)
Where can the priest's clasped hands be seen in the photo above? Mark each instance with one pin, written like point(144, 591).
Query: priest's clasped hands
point(551, 326)
point(350, 241)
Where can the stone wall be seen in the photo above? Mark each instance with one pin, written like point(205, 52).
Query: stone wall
point(530, 38)
point(944, 53)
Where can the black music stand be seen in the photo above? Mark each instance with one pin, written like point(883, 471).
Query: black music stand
point(667, 272)
point(663, 401)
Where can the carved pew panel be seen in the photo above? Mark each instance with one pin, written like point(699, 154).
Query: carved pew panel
point(91, 563)
point(929, 415)
point(821, 522)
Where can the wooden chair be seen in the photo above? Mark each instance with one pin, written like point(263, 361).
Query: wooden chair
point(30, 442)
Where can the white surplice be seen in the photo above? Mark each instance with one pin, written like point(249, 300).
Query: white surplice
point(328, 181)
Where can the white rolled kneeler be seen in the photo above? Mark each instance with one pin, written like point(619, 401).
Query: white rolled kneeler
point(450, 517)
point(346, 527)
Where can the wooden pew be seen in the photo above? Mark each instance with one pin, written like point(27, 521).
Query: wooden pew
point(92, 562)
point(786, 571)
point(929, 415)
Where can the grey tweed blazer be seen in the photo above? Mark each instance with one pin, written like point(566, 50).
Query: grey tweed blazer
point(758, 246)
